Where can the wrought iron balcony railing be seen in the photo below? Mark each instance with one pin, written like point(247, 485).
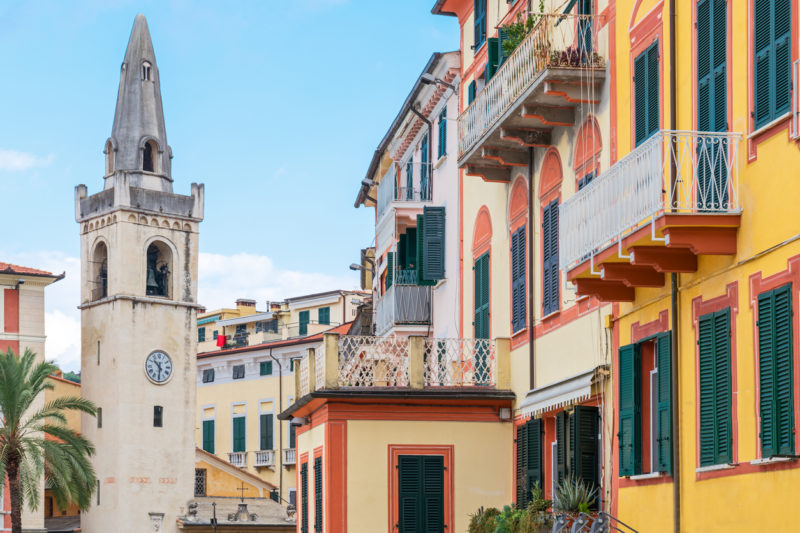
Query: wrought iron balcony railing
point(673, 172)
point(403, 305)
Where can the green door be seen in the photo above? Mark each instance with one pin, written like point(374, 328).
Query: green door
point(421, 493)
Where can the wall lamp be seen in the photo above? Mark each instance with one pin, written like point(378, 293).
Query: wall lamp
point(430, 79)
point(297, 421)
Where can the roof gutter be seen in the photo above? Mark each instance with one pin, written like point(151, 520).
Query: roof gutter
point(437, 9)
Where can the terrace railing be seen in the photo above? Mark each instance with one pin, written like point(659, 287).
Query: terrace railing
point(403, 305)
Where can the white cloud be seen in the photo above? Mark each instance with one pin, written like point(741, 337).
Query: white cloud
point(14, 161)
point(223, 279)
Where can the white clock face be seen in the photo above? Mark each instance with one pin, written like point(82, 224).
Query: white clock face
point(158, 366)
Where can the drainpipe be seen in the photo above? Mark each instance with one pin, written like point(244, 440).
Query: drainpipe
point(676, 466)
point(430, 153)
point(531, 240)
point(280, 426)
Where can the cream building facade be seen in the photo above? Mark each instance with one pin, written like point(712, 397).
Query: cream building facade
point(138, 313)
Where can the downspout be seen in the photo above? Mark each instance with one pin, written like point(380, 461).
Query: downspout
point(280, 426)
point(673, 122)
point(531, 300)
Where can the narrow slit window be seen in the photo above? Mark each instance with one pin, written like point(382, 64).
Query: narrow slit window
point(158, 416)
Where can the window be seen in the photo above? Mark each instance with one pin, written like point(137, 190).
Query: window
point(159, 260)
point(265, 368)
point(293, 498)
point(99, 271)
point(324, 315)
point(238, 372)
point(304, 498)
point(410, 179)
point(586, 180)
point(215, 335)
point(472, 90)
point(208, 375)
point(150, 150)
point(481, 296)
point(199, 482)
point(109, 151)
point(772, 61)
point(209, 436)
point(529, 460)
point(99, 417)
point(645, 442)
point(158, 416)
point(518, 271)
point(480, 23)
point(267, 325)
point(424, 193)
point(266, 431)
point(292, 435)
point(201, 334)
point(304, 320)
point(646, 103)
point(318, 494)
point(550, 281)
point(420, 492)
point(442, 133)
point(240, 337)
point(776, 396)
point(714, 364)
point(146, 67)
point(239, 443)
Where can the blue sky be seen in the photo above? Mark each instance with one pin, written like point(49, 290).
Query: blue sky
point(276, 106)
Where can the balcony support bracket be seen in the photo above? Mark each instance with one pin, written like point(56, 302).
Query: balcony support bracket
point(528, 137)
point(664, 259)
point(550, 115)
point(632, 275)
point(499, 174)
point(513, 158)
point(606, 291)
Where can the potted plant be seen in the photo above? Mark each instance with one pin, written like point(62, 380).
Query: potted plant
point(574, 496)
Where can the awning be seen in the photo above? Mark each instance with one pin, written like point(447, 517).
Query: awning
point(247, 319)
point(565, 392)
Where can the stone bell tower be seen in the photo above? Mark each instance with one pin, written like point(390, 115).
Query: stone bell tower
point(138, 313)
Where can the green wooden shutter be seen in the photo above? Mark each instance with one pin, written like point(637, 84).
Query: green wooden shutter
point(653, 85)
point(304, 320)
point(472, 89)
point(502, 35)
point(424, 170)
point(443, 132)
point(266, 440)
point(493, 59)
point(585, 457)
point(265, 368)
point(402, 245)
point(318, 494)
point(772, 73)
point(433, 243)
point(420, 253)
point(481, 297)
point(562, 445)
point(479, 15)
point(518, 281)
point(410, 179)
point(664, 425)
point(304, 498)
point(292, 436)
point(629, 436)
point(389, 269)
point(409, 483)
point(714, 354)
point(783, 61)
point(239, 444)
point(646, 96)
point(550, 297)
point(208, 436)
point(535, 467)
point(433, 493)
point(522, 466)
point(640, 97)
point(324, 316)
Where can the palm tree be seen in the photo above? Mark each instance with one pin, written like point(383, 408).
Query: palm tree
point(36, 441)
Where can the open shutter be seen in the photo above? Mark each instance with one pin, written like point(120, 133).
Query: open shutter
point(208, 436)
point(502, 35)
point(420, 254)
point(433, 493)
point(535, 471)
point(561, 446)
point(664, 429)
point(472, 88)
point(653, 111)
point(433, 243)
point(424, 170)
point(389, 269)
point(584, 431)
point(518, 296)
point(266, 432)
point(479, 14)
point(782, 67)
point(304, 498)
point(522, 466)
point(493, 59)
point(318, 494)
point(629, 435)
point(784, 397)
point(640, 97)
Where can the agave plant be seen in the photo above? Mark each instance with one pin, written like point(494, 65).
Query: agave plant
point(573, 495)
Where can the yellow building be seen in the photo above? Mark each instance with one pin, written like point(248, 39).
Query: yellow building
point(692, 230)
point(62, 388)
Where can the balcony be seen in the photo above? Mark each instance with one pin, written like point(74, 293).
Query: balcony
point(553, 70)
point(403, 304)
point(265, 458)
point(289, 456)
point(359, 362)
point(238, 459)
point(673, 198)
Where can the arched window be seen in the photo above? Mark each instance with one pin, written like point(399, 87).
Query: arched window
point(549, 196)
point(159, 270)
point(109, 158)
point(146, 71)
point(99, 272)
point(149, 156)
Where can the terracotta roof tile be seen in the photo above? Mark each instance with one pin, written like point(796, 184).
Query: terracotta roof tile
point(8, 268)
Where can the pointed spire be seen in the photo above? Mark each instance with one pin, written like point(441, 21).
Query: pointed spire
point(138, 136)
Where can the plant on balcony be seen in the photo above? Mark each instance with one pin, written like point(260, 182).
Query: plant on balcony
point(573, 495)
point(532, 519)
point(516, 31)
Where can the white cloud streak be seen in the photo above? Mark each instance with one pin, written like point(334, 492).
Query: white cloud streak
point(16, 161)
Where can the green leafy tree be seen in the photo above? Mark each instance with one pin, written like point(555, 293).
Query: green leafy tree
point(36, 442)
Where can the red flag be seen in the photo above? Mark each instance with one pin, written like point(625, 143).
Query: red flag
point(220, 340)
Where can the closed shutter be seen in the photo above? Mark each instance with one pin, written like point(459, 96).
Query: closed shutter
point(480, 22)
point(208, 436)
point(493, 59)
point(318, 494)
point(410, 180)
point(646, 93)
point(664, 426)
point(629, 435)
point(304, 320)
point(535, 470)
point(550, 303)
point(292, 430)
point(424, 170)
point(239, 444)
point(772, 78)
point(775, 371)
point(433, 493)
point(325, 315)
point(585, 457)
point(481, 273)
point(443, 133)
point(421, 493)
point(562, 446)
point(518, 280)
point(472, 89)
point(522, 466)
point(266, 432)
point(714, 360)
point(640, 97)
point(433, 243)
point(389, 270)
point(265, 368)
point(304, 498)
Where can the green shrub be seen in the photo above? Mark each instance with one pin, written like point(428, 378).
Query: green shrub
point(573, 495)
point(483, 520)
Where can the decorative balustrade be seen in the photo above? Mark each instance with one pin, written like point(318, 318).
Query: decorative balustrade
point(265, 458)
point(673, 172)
point(304, 385)
point(459, 362)
point(238, 459)
point(556, 41)
point(370, 361)
point(319, 366)
point(289, 456)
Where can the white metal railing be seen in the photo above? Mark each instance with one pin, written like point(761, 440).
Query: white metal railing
point(556, 40)
point(389, 191)
point(460, 362)
point(304, 388)
point(238, 459)
point(289, 456)
point(265, 458)
point(641, 186)
point(373, 361)
point(403, 305)
point(319, 366)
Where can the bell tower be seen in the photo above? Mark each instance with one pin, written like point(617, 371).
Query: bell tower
point(139, 245)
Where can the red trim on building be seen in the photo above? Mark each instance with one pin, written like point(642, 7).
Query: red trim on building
point(11, 311)
point(335, 463)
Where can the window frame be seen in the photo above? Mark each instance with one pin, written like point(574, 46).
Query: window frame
point(442, 132)
point(238, 371)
